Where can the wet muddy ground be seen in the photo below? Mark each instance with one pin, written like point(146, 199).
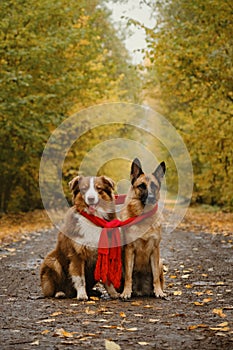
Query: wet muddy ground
point(197, 315)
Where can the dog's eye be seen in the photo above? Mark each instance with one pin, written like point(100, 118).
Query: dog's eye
point(153, 186)
point(99, 189)
point(142, 186)
point(83, 190)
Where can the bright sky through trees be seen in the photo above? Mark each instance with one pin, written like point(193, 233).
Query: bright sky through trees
point(135, 36)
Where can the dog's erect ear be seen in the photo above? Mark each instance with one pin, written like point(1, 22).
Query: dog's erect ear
point(108, 181)
point(74, 184)
point(160, 171)
point(136, 170)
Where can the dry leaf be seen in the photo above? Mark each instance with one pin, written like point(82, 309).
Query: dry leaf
point(221, 334)
point(89, 312)
point(191, 328)
point(138, 315)
point(223, 324)
point(154, 320)
point(198, 293)
point(198, 303)
point(177, 292)
point(219, 312)
point(111, 345)
point(185, 276)
point(220, 283)
point(133, 329)
point(122, 314)
point(95, 298)
point(224, 329)
point(143, 343)
point(46, 331)
point(56, 313)
point(136, 303)
point(207, 300)
point(36, 342)
point(209, 292)
point(188, 286)
point(60, 332)
point(173, 276)
point(47, 320)
point(147, 306)
point(90, 302)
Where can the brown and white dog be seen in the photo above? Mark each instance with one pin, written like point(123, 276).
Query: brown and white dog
point(69, 268)
point(143, 267)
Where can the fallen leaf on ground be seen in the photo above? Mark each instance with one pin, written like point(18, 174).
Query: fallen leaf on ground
point(143, 343)
point(36, 342)
point(47, 320)
point(56, 313)
point(198, 293)
point(60, 332)
point(133, 329)
point(136, 303)
point(45, 331)
point(111, 345)
point(223, 324)
point(222, 329)
point(191, 328)
point(219, 312)
point(209, 292)
point(122, 314)
point(154, 320)
point(197, 303)
point(95, 298)
point(207, 300)
point(177, 292)
point(89, 312)
point(188, 286)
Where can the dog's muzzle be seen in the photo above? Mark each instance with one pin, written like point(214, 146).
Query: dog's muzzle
point(151, 199)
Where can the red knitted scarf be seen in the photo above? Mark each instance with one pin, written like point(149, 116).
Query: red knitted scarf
point(109, 265)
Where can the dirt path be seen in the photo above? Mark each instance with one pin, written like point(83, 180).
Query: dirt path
point(198, 314)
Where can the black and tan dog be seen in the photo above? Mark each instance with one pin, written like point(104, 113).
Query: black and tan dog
point(143, 267)
point(69, 268)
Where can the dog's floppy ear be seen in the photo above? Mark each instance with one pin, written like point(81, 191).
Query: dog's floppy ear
point(136, 170)
point(108, 181)
point(160, 172)
point(74, 185)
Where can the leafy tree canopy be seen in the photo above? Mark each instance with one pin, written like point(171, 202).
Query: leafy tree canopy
point(190, 74)
point(56, 57)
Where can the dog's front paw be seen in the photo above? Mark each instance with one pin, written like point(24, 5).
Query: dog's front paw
point(60, 295)
point(126, 294)
point(112, 291)
point(159, 293)
point(82, 295)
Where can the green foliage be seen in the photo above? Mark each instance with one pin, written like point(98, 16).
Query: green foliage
point(56, 57)
point(190, 53)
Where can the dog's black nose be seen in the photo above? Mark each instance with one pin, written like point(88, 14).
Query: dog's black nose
point(91, 200)
point(151, 199)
